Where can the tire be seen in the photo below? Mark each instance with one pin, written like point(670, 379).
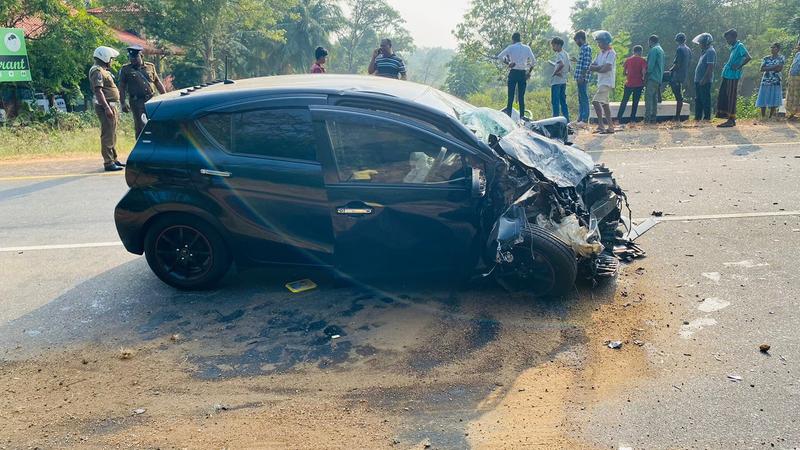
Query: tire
point(543, 264)
point(200, 257)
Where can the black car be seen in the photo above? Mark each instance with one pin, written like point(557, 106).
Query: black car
point(364, 175)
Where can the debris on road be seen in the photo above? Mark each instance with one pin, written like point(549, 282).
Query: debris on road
point(175, 337)
point(296, 287)
point(126, 353)
point(764, 348)
point(734, 377)
point(657, 213)
point(713, 276)
point(139, 411)
point(712, 304)
point(616, 345)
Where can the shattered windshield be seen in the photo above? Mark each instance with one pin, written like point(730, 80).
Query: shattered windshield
point(481, 121)
point(486, 121)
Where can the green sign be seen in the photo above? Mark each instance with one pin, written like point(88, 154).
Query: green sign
point(13, 56)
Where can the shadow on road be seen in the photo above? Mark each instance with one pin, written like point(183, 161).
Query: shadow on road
point(475, 338)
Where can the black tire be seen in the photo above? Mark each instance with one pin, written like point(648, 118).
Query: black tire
point(543, 264)
point(185, 252)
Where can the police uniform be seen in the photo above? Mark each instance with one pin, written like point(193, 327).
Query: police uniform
point(139, 83)
point(102, 78)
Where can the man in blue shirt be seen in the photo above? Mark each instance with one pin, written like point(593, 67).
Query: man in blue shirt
point(704, 77)
point(731, 74)
point(582, 76)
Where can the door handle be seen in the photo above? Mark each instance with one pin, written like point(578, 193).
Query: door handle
point(354, 211)
point(214, 173)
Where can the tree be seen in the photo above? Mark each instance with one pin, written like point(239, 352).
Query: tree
point(467, 76)
point(306, 26)
point(60, 42)
point(488, 25)
point(214, 29)
point(430, 65)
point(369, 21)
point(587, 16)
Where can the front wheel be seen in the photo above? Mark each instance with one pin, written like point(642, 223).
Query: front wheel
point(542, 263)
point(186, 252)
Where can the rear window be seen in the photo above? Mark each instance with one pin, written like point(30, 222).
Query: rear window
point(275, 133)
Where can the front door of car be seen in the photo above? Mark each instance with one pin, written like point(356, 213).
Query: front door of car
point(399, 193)
point(259, 169)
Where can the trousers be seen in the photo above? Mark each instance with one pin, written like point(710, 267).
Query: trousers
point(108, 133)
point(558, 100)
point(583, 102)
point(651, 93)
point(517, 81)
point(702, 101)
point(626, 95)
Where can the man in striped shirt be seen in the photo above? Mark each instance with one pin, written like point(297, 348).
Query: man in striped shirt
point(582, 77)
point(385, 63)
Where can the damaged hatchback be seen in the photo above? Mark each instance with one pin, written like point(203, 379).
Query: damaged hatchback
point(368, 176)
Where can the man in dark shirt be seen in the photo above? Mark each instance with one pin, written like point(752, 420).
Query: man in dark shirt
point(385, 63)
point(680, 72)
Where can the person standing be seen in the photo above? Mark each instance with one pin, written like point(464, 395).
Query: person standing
point(793, 88)
point(106, 101)
point(320, 58)
point(385, 63)
point(731, 74)
point(606, 67)
point(520, 60)
point(582, 77)
point(140, 81)
point(558, 81)
point(655, 75)
point(635, 70)
point(704, 77)
point(770, 93)
point(679, 72)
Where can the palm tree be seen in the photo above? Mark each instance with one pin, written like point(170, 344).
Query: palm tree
point(307, 26)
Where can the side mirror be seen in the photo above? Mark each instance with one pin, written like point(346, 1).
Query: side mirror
point(478, 183)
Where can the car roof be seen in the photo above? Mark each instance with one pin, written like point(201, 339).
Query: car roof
point(188, 102)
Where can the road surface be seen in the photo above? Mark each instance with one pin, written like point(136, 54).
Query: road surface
point(96, 352)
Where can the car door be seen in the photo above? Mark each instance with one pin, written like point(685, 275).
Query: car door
point(399, 193)
point(260, 169)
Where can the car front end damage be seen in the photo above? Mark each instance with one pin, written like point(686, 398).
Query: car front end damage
point(544, 189)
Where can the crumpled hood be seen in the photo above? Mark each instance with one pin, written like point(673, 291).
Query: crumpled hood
point(564, 165)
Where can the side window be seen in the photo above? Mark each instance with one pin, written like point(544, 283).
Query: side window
point(372, 152)
point(276, 133)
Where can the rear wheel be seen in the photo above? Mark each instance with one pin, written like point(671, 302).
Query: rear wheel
point(186, 252)
point(542, 264)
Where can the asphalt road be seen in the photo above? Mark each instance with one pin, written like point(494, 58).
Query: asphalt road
point(437, 363)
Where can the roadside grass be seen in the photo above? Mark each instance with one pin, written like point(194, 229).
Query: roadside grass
point(76, 138)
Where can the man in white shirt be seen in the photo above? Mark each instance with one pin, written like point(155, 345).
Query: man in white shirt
point(606, 67)
point(558, 80)
point(520, 60)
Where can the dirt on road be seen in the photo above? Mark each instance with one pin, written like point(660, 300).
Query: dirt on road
point(439, 368)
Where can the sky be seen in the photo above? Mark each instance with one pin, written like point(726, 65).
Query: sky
point(431, 21)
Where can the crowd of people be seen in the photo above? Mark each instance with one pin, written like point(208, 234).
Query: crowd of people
point(139, 81)
point(650, 76)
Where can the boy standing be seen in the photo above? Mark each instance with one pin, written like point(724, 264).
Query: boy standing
point(558, 81)
point(655, 75)
point(635, 70)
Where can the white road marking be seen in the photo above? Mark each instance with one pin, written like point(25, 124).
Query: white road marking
point(722, 216)
point(690, 147)
point(59, 247)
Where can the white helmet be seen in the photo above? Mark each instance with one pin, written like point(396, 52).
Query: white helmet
point(105, 54)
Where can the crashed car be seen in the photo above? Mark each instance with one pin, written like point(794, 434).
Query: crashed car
point(367, 176)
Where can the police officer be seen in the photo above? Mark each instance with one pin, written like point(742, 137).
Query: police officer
point(106, 104)
point(140, 81)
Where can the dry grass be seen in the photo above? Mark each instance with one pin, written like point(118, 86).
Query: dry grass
point(21, 143)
